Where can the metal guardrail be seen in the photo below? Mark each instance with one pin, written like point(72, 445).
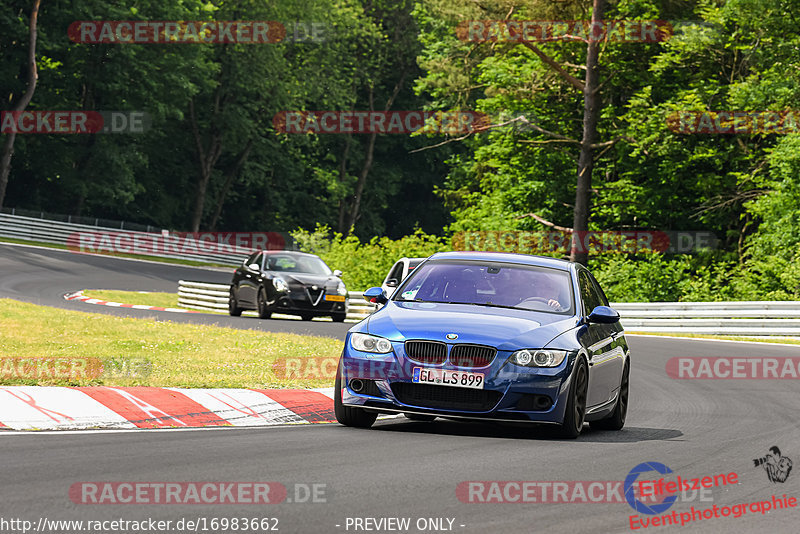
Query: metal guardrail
point(66, 233)
point(739, 318)
point(750, 318)
point(203, 296)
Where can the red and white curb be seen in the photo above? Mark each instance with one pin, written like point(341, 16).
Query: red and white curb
point(78, 295)
point(71, 408)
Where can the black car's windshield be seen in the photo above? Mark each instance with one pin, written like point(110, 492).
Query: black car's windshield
point(490, 284)
point(296, 264)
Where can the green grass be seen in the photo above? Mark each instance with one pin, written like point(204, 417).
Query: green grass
point(177, 261)
point(161, 353)
point(143, 298)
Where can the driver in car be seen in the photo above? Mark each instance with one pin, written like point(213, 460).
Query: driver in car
point(548, 290)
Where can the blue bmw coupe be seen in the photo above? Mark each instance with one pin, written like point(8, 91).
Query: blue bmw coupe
point(488, 336)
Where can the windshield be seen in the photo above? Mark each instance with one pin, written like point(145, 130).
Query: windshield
point(490, 284)
point(296, 264)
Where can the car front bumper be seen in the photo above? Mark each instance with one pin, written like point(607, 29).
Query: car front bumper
point(510, 393)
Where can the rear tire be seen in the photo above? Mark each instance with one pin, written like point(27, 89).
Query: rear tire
point(616, 420)
point(233, 305)
point(575, 413)
point(261, 301)
point(347, 415)
point(420, 417)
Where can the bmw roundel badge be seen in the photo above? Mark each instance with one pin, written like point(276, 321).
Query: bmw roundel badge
point(451, 336)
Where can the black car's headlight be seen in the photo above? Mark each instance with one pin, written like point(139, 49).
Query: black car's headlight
point(341, 289)
point(538, 357)
point(280, 284)
point(368, 343)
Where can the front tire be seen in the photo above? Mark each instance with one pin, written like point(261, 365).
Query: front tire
point(347, 415)
point(306, 316)
point(233, 305)
point(575, 413)
point(339, 317)
point(263, 308)
point(616, 420)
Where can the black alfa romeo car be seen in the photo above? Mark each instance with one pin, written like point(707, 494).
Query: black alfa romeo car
point(287, 282)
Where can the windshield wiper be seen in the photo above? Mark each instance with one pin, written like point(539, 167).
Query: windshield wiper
point(489, 304)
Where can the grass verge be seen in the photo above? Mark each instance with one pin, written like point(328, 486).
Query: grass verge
point(138, 298)
point(143, 352)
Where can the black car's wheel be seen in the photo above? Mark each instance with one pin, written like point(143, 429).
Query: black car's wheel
point(339, 317)
point(348, 415)
point(233, 305)
point(419, 417)
point(306, 316)
point(575, 412)
point(263, 308)
point(616, 420)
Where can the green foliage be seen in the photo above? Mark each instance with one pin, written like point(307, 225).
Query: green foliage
point(365, 264)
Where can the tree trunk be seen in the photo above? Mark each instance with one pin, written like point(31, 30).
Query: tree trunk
point(362, 177)
point(340, 227)
point(591, 114)
point(229, 178)
point(33, 75)
point(206, 160)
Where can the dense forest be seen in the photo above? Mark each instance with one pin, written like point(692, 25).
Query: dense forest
point(582, 131)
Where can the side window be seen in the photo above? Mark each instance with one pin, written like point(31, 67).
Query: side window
point(598, 291)
point(252, 258)
point(589, 296)
point(396, 272)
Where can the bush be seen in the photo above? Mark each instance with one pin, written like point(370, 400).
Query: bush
point(366, 264)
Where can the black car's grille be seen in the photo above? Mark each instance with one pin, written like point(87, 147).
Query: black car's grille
point(446, 397)
point(426, 351)
point(472, 355)
point(314, 295)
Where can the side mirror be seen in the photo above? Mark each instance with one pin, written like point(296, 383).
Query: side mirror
point(254, 267)
point(337, 273)
point(391, 282)
point(603, 315)
point(375, 295)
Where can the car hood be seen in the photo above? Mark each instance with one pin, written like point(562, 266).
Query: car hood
point(307, 279)
point(504, 328)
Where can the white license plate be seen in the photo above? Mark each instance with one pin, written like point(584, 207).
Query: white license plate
point(444, 377)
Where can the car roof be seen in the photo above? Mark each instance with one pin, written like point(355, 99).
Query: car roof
point(289, 252)
point(505, 257)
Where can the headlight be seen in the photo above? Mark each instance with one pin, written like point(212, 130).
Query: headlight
point(280, 284)
point(341, 289)
point(538, 357)
point(368, 343)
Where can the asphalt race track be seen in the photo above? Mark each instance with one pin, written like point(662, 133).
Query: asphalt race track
point(43, 276)
point(404, 469)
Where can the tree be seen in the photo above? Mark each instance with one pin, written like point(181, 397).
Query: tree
point(8, 145)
